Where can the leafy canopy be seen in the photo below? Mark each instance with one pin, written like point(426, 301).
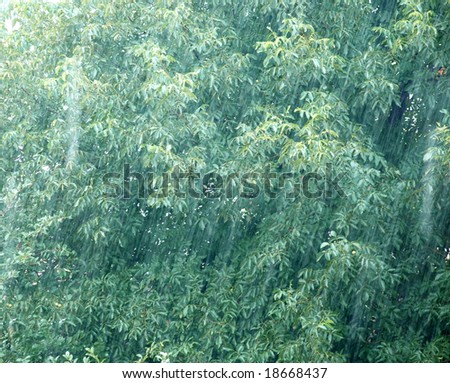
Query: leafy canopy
point(257, 86)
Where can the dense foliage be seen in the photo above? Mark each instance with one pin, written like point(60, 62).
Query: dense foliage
point(352, 90)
